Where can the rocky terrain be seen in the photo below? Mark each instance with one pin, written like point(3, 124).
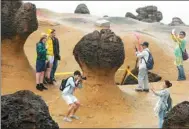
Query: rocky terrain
point(178, 117)
point(147, 14)
point(24, 109)
point(102, 104)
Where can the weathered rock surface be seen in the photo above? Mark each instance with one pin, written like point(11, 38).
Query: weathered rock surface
point(25, 110)
point(176, 21)
point(107, 53)
point(130, 15)
point(82, 8)
point(178, 117)
point(147, 14)
point(131, 80)
point(18, 22)
point(17, 19)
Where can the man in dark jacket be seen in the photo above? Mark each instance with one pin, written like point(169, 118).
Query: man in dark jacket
point(57, 57)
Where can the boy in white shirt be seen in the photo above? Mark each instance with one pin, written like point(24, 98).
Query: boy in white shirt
point(67, 94)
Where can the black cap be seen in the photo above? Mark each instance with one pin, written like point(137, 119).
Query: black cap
point(145, 44)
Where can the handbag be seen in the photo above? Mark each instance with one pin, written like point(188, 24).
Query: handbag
point(184, 54)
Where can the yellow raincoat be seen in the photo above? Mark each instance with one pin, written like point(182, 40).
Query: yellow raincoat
point(49, 44)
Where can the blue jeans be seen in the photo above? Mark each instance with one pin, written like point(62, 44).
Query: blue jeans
point(55, 65)
point(161, 118)
point(181, 74)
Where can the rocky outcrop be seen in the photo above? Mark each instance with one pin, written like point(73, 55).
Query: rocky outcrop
point(25, 110)
point(100, 54)
point(176, 21)
point(18, 22)
point(17, 19)
point(130, 15)
point(178, 117)
point(147, 14)
point(107, 53)
point(131, 80)
point(82, 8)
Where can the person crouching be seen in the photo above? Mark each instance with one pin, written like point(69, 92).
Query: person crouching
point(67, 94)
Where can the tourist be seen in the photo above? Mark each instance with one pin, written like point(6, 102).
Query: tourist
point(143, 71)
point(50, 56)
point(57, 57)
point(162, 105)
point(40, 62)
point(180, 46)
point(67, 94)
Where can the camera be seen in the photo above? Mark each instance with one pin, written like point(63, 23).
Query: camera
point(83, 78)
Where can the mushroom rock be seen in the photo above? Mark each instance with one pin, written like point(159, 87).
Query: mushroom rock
point(147, 14)
point(178, 117)
point(25, 110)
point(18, 22)
point(176, 21)
point(82, 8)
point(100, 54)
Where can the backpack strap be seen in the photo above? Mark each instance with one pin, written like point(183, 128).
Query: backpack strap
point(67, 80)
point(148, 56)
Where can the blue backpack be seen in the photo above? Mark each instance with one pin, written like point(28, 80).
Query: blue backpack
point(149, 62)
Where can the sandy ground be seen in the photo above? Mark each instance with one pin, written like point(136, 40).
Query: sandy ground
point(138, 109)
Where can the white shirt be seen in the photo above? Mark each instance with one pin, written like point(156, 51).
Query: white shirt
point(143, 55)
point(70, 86)
point(162, 102)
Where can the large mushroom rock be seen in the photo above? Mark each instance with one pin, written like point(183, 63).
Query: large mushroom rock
point(25, 110)
point(18, 22)
point(147, 14)
point(178, 117)
point(176, 21)
point(99, 55)
point(131, 80)
point(82, 8)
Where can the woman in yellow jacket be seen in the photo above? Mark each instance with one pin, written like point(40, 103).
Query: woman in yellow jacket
point(50, 54)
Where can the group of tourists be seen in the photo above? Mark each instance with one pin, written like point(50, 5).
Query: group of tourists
point(48, 54)
point(146, 63)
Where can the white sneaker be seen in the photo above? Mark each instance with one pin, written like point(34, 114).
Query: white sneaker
point(138, 89)
point(74, 117)
point(67, 119)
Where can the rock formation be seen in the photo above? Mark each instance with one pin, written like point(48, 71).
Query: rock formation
point(100, 54)
point(178, 117)
point(82, 8)
point(176, 21)
point(147, 14)
point(18, 22)
point(130, 15)
point(25, 110)
point(131, 80)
